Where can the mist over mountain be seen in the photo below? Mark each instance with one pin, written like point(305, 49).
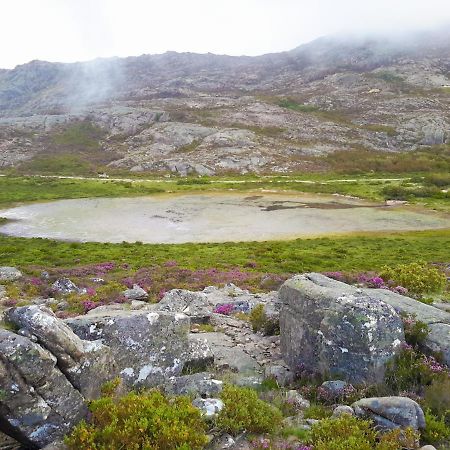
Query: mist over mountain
point(206, 113)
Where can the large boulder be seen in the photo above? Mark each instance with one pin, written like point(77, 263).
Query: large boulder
point(87, 365)
point(9, 274)
point(38, 404)
point(335, 329)
point(391, 412)
point(148, 347)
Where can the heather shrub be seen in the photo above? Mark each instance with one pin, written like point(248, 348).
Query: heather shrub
point(260, 321)
point(148, 420)
point(418, 278)
point(437, 396)
point(244, 411)
point(415, 331)
point(317, 411)
point(412, 371)
point(349, 433)
point(437, 431)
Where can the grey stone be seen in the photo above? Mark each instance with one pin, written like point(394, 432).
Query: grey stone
point(87, 365)
point(335, 329)
point(391, 412)
point(227, 356)
point(209, 407)
point(148, 347)
point(199, 355)
point(342, 410)
point(282, 374)
point(38, 403)
point(65, 286)
point(428, 447)
point(9, 274)
point(136, 293)
point(193, 304)
point(199, 384)
point(334, 387)
point(296, 400)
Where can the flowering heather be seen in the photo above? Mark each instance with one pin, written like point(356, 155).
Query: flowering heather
point(262, 443)
point(89, 305)
point(88, 270)
point(225, 309)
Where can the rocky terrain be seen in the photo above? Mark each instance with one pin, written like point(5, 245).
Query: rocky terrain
point(206, 114)
point(190, 342)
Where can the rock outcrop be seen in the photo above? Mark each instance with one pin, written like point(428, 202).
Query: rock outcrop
point(87, 365)
point(336, 329)
point(38, 403)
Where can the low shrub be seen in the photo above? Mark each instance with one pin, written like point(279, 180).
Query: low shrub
point(416, 331)
point(261, 322)
point(437, 397)
point(244, 411)
point(350, 433)
point(412, 371)
point(418, 278)
point(148, 420)
point(436, 430)
point(317, 411)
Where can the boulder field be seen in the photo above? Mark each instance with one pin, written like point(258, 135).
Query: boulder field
point(49, 367)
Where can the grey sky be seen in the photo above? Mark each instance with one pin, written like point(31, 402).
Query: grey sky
point(74, 30)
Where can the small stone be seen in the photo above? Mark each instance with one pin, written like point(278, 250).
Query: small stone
point(282, 374)
point(209, 407)
point(428, 447)
point(136, 293)
point(334, 387)
point(342, 410)
point(65, 286)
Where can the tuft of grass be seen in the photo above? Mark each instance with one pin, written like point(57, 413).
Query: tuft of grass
point(378, 128)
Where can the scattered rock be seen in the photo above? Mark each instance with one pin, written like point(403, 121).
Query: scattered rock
point(199, 384)
point(136, 293)
point(9, 274)
point(342, 410)
point(295, 399)
point(391, 412)
point(209, 407)
point(65, 286)
point(282, 374)
point(428, 447)
point(335, 387)
point(333, 328)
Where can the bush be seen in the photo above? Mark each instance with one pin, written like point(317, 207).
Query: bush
point(437, 396)
point(418, 278)
point(415, 331)
point(317, 411)
point(350, 433)
point(260, 321)
point(436, 430)
point(136, 421)
point(244, 411)
point(412, 371)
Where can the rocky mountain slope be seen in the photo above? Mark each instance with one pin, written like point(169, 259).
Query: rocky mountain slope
point(209, 114)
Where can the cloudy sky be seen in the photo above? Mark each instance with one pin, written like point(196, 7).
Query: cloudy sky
point(74, 30)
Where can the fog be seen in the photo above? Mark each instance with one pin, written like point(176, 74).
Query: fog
point(79, 30)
